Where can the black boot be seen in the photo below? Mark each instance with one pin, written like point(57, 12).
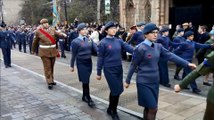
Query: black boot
point(112, 109)
point(86, 95)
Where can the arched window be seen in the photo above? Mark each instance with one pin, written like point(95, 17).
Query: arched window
point(148, 11)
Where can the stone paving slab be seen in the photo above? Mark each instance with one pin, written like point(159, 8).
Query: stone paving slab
point(25, 96)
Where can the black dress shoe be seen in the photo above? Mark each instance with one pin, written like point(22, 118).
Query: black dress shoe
point(91, 103)
point(177, 78)
point(50, 86)
point(196, 91)
point(114, 115)
point(54, 83)
point(207, 84)
point(167, 85)
point(9, 66)
point(6, 66)
point(85, 99)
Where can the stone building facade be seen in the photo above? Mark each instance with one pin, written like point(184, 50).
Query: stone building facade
point(164, 12)
point(133, 11)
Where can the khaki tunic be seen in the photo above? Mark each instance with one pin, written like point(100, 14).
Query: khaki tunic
point(41, 39)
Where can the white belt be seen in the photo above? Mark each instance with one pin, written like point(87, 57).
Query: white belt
point(47, 46)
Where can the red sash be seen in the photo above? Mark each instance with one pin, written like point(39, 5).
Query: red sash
point(50, 38)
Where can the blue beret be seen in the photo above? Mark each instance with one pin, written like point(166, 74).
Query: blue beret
point(180, 30)
point(140, 24)
point(81, 26)
point(149, 27)
point(109, 24)
point(211, 32)
point(164, 29)
point(188, 33)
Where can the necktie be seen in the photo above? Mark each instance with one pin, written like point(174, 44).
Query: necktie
point(84, 39)
point(152, 45)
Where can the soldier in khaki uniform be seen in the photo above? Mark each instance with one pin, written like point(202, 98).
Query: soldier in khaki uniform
point(45, 37)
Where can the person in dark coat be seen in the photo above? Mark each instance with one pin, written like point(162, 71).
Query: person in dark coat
point(110, 59)
point(81, 52)
point(137, 37)
point(202, 37)
point(163, 63)
point(178, 39)
point(5, 44)
point(145, 60)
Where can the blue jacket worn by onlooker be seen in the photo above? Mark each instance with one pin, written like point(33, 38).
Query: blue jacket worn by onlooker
point(146, 58)
point(137, 38)
point(187, 48)
point(109, 52)
point(82, 49)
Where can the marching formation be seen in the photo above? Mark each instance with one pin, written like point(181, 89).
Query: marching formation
point(147, 47)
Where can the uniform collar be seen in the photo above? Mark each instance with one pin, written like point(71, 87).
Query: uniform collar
point(189, 40)
point(109, 36)
point(81, 37)
point(148, 42)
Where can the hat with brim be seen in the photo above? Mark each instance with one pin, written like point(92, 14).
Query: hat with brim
point(44, 20)
point(149, 27)
point(188, 33)
point(140, 24)
point(185, 24)
point(133, 27)
point(81, 26)
point(109, 25)
point(164, 29)
point(180, 30)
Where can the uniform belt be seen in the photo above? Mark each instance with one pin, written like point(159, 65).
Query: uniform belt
point(47, 46)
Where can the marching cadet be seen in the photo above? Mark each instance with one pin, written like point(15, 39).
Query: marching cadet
point(204, 68)
point(5, 42)
point(23, 38)
point(45, 37)
point(145, 60)
point(62, 45)
point(18, 39)
point(82, 48)
point(137, 37)
point(186, 51)
point(178, 39)
point(163, 63)
point(109, 58)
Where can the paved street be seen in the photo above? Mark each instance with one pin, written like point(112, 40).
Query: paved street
point(24, 95)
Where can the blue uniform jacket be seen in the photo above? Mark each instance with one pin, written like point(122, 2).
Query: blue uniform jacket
point(145, 59)
point(178, 39)
point(5, 39)
point(137, 38)
point(109, 52)
point(165, 41)
point(82, 49)
point(187, 48)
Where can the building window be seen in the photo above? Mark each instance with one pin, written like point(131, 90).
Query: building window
point(147, 11)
